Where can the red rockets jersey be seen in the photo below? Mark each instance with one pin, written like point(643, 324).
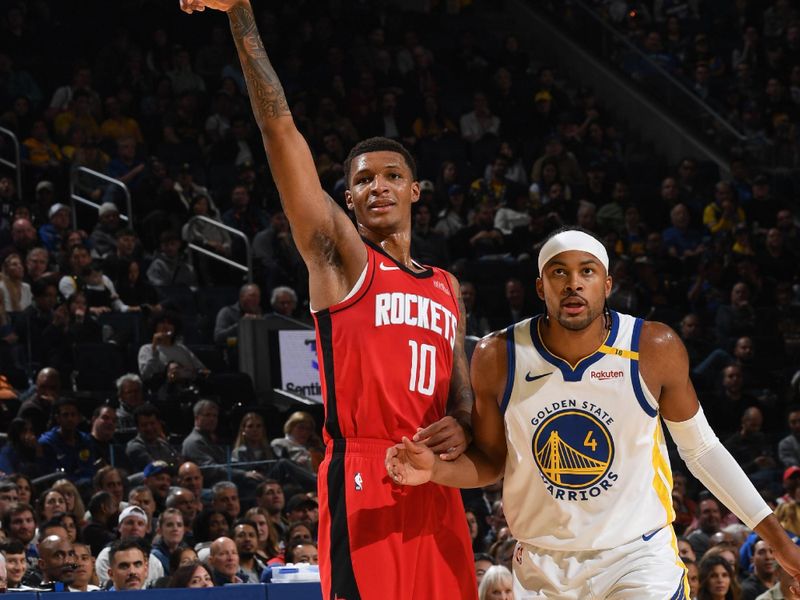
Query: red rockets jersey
point(386, 352)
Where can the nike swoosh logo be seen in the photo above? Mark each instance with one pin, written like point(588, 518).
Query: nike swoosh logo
point(647, 537)
point(529, 377)
point(385, 267)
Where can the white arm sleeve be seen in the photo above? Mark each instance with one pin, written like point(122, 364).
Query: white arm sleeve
point(712, 464)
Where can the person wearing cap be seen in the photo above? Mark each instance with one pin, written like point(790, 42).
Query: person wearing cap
point(453, 217)
point(132, 526)
point(103, 238)
point(157, 477)
point(302, 508)
point(53, 233)
point(567, 408)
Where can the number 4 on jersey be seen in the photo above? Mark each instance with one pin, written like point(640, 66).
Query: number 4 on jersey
point(590, 442)
point(423, 368)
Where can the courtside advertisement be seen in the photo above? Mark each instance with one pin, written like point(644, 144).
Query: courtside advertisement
point(299, 368)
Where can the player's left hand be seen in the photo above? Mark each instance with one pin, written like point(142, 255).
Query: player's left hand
point(446, 437)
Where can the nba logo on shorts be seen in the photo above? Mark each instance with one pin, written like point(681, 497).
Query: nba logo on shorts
point(359, 482)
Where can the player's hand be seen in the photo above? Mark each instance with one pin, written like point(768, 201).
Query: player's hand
point(190, 6)
point(788, 555)
point(409, 463)
point(446, 437)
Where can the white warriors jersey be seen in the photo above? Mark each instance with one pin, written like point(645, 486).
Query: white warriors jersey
point(587, 466)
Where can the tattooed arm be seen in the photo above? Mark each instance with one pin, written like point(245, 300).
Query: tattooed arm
point(323, 233)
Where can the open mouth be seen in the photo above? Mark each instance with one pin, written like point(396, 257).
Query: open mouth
point(573, 306)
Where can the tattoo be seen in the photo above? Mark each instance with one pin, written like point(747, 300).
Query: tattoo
point(461, 396)
point(266, 93)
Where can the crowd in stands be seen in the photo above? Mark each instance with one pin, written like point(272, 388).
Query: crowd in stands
point(119, 388)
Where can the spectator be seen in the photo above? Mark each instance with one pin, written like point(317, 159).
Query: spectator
point(142, 496)
point(74, 503)
point(681, 240)
point(224, 562)
point(268, 540)
point(164, 349)
point(126, 166)
point(50, 503)
point(56, 564)
point(65, 447)
point(428, 246)
point(270, 497)
point(16, 293)
point(245, 535)
point(789, 447)
point(193, 575)
point(243, 215)
point(709, 520)
point(284, 301)
point(191, 477)
point(102, 518)
point(158, 480)
point(496, 583)
point(764, 574)
point(84, 570)
point(189, 506)
point(130, 396)
point(248, 307)
point(104, 235)
point(225, 498)
point(53, 233)
point(37, 409)
point(119, 563)
point(300, 443)
point(150, 444)
point(717, 580)
point(103, 426)
point(14, 554)
point(23, 238)
point(109, 479)
point(210, 525)
point(22, 453)
point(170, 268)
point(169, 536)
point(127, 566)
point(479, 122)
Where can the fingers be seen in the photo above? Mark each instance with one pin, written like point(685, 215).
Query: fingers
point(430, 430)
point(453, 453)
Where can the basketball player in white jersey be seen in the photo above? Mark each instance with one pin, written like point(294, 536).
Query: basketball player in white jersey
point(567, 406)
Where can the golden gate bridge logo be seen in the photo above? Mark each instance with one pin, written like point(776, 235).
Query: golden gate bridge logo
point(573, 449)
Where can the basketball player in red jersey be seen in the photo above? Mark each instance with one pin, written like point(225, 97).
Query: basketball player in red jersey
point(390, 339)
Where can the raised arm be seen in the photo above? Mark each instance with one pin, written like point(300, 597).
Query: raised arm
point(665, 368)
point(412, 463)
point(323, 233)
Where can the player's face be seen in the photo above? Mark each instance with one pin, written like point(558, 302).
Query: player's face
point(382, 189)
point(574, 286)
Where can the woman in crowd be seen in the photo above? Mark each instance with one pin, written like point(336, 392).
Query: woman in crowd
point(193, 575)
point(268, 541)
point(169, 536)
point(718, 580)
point(24, 485)
point(110, 479)
point(21, 453)
point(50, 503)
point(16, 293)
point(75, 506)
point(496, 584)
point(208, 526)
point(251, 442)
point(300, 443)
point(70, 525)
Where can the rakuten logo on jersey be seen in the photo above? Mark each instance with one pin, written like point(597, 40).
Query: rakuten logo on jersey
point(603, 375)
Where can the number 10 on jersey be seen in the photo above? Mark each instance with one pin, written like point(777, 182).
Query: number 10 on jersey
point(423, 368)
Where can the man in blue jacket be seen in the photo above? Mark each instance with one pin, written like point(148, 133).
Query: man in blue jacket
point(66, 448)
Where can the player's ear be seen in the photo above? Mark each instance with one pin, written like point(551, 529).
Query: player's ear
point(415, 191)
point(348, 199)
point(609, 284)
point(540, 288)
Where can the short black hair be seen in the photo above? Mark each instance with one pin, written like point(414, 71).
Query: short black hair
point(98, 501)
point(39, 287)
point(12, 546)
point(127, 544)
point(378, 144)
point(146, 410)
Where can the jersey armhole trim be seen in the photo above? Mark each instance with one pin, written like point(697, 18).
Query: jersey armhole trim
point(357, 291)
point(635, 378)
point(511, 361)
